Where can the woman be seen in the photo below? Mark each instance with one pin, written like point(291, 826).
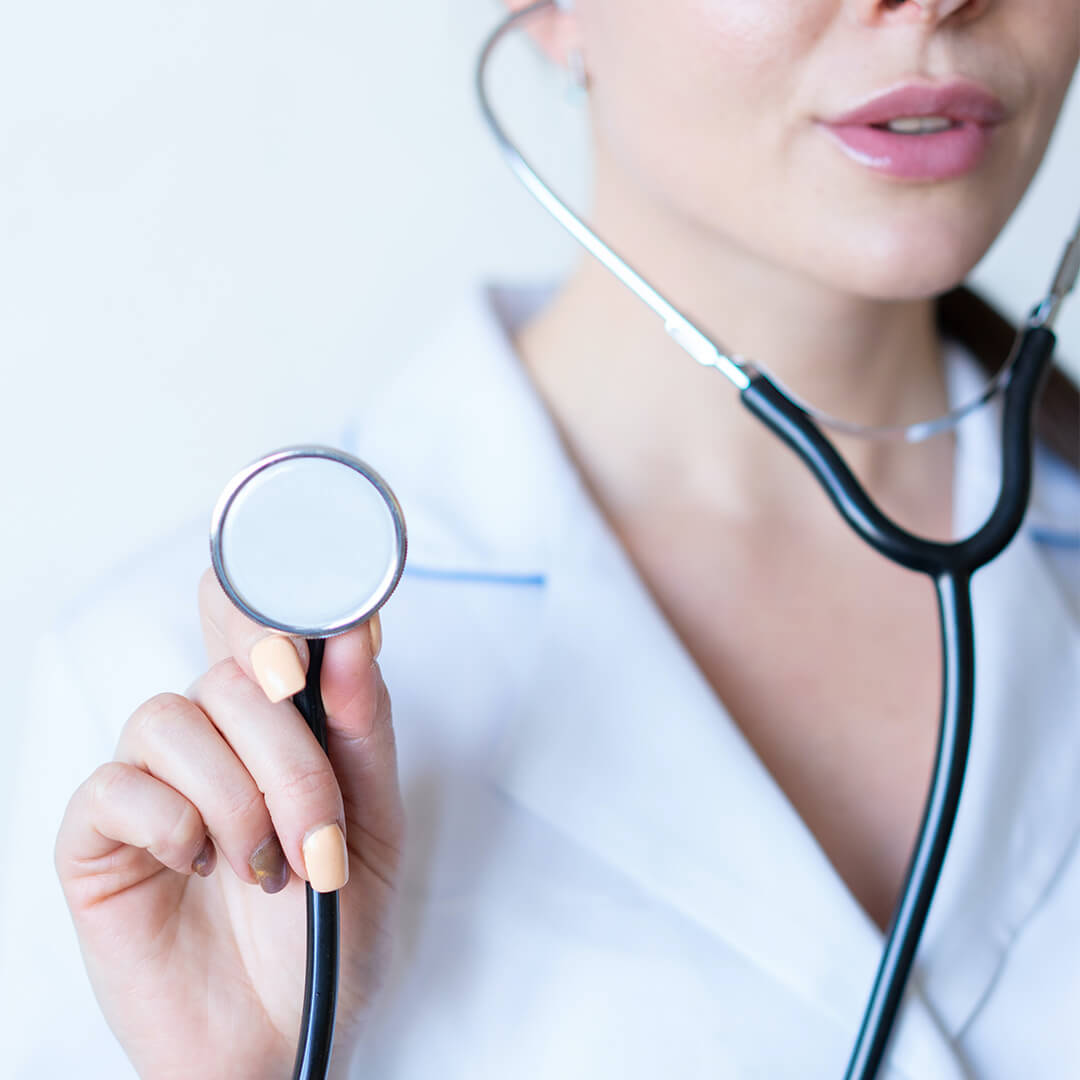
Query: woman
point(665, 724)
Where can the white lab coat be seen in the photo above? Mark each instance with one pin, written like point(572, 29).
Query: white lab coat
point(602, 879)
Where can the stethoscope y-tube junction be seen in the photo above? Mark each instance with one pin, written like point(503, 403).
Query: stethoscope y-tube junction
point(316, 1039)
point(950, 566)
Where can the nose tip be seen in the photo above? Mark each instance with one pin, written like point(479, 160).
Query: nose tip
point(929, 11)
point(940, 9)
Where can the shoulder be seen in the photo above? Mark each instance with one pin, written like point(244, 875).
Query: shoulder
point(135, 631)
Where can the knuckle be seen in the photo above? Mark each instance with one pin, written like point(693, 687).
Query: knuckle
point(226, 677)
point(245, 806)
point(161, 712)
point(106, 782)
point(369, 706)
point(181, 843)
point(310, 783)
point(383, 704)
point(384, 724)
point(381, 722)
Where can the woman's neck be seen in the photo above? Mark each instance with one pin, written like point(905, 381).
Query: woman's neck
point(644, 421)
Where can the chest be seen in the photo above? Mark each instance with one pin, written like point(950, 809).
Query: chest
point(829, 664)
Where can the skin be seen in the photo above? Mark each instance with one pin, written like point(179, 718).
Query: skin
point(787, 251)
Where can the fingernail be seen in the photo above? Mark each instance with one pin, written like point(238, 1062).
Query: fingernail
point(277, 667)
point(269, 866)
point(203, 863)
point(375, 629)
point(325, 859)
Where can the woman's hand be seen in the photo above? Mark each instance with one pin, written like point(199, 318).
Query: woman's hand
point(201, 973)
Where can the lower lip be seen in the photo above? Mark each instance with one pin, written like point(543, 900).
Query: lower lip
point(941, 156)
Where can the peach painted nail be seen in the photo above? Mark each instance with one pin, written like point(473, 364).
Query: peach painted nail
point(277, 667)
point(375, 628)
point(325, 859)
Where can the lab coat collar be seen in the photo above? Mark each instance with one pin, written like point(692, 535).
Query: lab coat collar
point(1020, 808)
point(639, 762)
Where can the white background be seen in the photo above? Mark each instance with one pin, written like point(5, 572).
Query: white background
point(217, 220)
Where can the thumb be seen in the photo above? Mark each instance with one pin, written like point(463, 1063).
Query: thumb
point(360, 745)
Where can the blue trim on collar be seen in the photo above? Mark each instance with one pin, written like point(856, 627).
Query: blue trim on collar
point(1051, 538)
point(478, 577)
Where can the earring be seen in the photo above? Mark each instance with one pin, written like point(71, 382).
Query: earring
point(579, 77)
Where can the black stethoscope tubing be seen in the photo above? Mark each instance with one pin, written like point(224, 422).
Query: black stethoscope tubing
point(315, 1042)
point(950, 566)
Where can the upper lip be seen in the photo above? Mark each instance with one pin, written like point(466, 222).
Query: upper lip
point(959, 100)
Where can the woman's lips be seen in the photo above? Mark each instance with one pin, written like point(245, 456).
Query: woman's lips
point(940, 156)
point(973, 111)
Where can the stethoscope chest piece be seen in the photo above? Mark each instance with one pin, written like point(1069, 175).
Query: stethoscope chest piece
point(308, 540)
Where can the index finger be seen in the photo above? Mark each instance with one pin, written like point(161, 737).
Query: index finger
point(276, 661)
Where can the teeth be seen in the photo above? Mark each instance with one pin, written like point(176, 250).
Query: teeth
point(919, 125)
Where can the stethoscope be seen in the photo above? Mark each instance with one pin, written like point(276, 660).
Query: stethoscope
point(273, 511)
point(949, 565)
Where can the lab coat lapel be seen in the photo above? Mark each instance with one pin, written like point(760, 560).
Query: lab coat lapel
point(1020, 808)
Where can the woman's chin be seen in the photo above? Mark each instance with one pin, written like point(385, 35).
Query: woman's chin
point(909, 264)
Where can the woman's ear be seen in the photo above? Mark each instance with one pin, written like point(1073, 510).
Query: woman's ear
point(554, 30)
